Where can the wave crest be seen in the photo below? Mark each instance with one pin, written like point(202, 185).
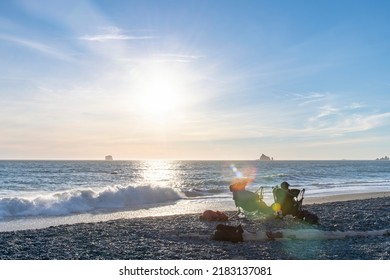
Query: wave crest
point(86, 200)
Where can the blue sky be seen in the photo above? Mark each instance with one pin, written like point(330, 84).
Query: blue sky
point(194, 79)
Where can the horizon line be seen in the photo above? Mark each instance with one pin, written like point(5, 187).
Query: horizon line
point(156, 159)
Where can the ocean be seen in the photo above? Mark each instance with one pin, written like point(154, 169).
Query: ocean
point(36, 194)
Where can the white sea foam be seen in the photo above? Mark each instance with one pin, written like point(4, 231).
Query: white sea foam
point(86, 200)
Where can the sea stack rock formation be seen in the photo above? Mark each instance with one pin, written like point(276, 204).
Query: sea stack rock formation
point(109, 158)
point(264, 157)
point(383, 158)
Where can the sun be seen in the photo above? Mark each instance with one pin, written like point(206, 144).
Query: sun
point(158, 90)
point(159, 94)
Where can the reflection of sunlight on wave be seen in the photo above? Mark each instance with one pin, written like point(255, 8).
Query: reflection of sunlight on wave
point(160, 173)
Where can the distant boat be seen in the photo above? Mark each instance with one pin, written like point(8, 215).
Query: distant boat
point(109, 158)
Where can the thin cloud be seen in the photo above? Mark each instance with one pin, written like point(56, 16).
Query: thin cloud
point(379, 119)
point(306, 99)
point(349, 123)
point(177, 57)
point(356, 105)
point(325, 111)
point(36, 46)
point(109, 37)
point(113, 34)
point(349, 118)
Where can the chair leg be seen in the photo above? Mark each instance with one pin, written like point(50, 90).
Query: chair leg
point(235, 214)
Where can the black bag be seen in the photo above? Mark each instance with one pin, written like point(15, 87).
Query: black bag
point(228, 233)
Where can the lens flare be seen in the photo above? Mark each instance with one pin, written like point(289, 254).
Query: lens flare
point(242, 179)
point(247, 172)
point(276, 207)
point(237, 173)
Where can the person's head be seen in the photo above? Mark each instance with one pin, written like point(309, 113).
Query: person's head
point(284, 185)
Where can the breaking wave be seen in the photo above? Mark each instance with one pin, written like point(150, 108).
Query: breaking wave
point(86, 200)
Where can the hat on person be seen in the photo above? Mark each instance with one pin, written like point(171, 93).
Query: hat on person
point(284, 185)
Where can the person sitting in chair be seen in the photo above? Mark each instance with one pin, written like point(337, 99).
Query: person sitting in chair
point(247, 200)
point(286, 198)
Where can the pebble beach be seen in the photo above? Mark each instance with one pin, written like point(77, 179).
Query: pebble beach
point(186, 237)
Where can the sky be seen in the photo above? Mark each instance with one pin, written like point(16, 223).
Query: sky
point(194, 79)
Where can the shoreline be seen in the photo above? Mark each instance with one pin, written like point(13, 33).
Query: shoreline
point(186, 237)
point(345, 197)
point(36, 223)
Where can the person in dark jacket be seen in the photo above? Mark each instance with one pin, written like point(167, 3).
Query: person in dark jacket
point(286, 198)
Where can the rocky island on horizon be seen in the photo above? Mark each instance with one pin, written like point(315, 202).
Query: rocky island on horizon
point(263, 157)
point(109, 158)
point(383, 158)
